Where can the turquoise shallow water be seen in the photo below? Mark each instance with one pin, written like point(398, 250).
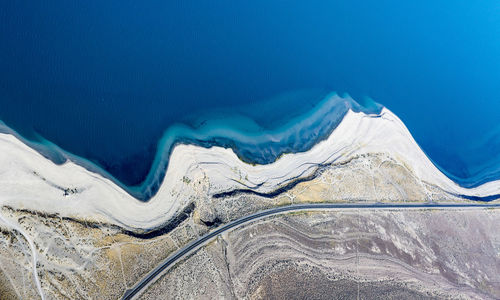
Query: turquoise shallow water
point(232, 128)
point(105, 81)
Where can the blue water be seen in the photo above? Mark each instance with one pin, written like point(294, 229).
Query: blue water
point(105, 80)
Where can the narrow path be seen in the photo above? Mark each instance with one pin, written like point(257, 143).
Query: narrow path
point(171, 260)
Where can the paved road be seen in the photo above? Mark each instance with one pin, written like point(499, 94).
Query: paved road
point(156, 272)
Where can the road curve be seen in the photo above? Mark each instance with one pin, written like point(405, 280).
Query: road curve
point(171, 260)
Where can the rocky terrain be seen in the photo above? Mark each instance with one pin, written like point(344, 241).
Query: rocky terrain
point(89, 259)
point(389, 254)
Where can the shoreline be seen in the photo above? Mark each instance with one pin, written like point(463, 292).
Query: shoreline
point(33, 182)
point(312, 127)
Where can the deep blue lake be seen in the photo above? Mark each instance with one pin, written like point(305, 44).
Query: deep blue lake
point(105, 79)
